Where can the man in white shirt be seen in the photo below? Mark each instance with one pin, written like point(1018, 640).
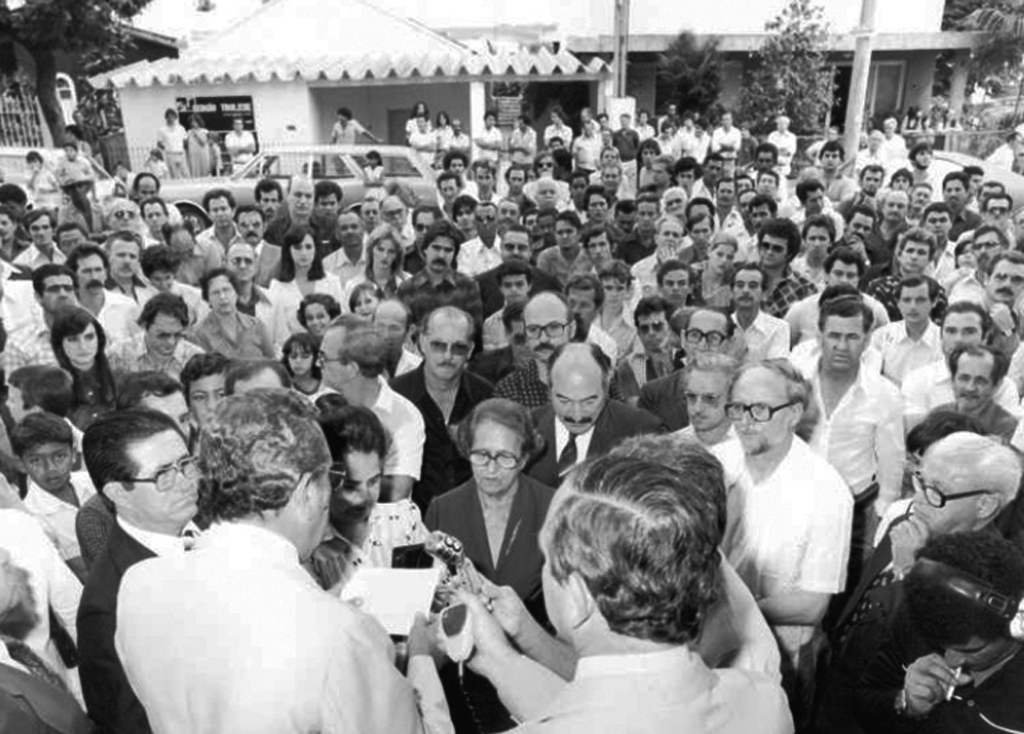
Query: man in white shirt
point(481, 253)
point(116, 312)
point(785, 142)
point(349, 260)
point(766, 337)
point(171, 140)
point(40, 224)
point(860, 432)
point(790, 539)
point(628, 663)
point(894, 147)
point(489, 141)
point(322, 665)
point(30, 345)
point(843, 266)
point(914, 341)
point(353, 356)
point(141, 463)
point(52, 583)
point(46, 446)
point(965, 324)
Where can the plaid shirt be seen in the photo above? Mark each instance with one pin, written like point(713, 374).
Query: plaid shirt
point(789, 289)
point(524, 386)
point(29, 346)
point(455, 289)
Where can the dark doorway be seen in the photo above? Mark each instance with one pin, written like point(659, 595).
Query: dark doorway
point(842, 77)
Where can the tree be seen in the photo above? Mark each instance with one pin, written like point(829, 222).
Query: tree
point(791, 74)
point(996, 61)
point(690, 73)
point(91, 31)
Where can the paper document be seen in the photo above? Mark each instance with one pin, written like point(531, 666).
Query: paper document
point(393, 595)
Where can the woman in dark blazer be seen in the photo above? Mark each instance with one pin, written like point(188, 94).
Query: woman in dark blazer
point(497, 515)
point(499, 512)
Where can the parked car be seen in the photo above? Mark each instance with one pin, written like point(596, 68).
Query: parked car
point(15, 169)
point(341, 163)
point(945, 161)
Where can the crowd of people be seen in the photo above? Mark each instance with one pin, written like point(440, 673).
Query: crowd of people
point(720, 447)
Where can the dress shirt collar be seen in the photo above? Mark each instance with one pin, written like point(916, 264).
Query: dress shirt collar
point(582, 440)
point(253, 540)
point(386, 397)
point(759, 324)
point(159, 543)
point(930, 338)
point(651, 663)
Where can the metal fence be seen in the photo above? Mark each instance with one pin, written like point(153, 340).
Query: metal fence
point(21, 122)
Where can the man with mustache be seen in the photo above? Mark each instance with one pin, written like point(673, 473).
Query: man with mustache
point(116, 312)
point(439, 284)
point(32, 697)
point(581, 420)
point(1004, 284)
point(977, 372)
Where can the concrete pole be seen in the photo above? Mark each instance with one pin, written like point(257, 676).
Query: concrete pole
point(620, 46)
point(859, 81)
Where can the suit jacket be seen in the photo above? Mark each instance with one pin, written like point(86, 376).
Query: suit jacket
point(664, 398)
point(108, 695)
point(29, 705)
point(617, 421)
point(267, 264)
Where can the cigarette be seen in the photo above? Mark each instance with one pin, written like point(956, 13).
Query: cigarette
point(952, 687)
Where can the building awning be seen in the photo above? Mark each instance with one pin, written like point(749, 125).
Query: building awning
point(381, 68)
point(339, 43)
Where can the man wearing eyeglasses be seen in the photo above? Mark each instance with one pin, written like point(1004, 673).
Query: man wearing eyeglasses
point(964, 482)
point(655, 359)
point(789, 537)
point(54, 287)
point(582, 421)
point(139, 460)
point(444, 392)
point(778, 244)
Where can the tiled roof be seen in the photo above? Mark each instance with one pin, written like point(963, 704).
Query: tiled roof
point(367, 67)
point(342, 41)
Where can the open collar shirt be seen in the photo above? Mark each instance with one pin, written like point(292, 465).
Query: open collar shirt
point(901, 354)
point(57, 516)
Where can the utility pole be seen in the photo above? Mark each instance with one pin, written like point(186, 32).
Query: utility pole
point(859, 81)
point(620, 46)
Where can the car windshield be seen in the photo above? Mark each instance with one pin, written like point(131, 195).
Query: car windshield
point(277, 165)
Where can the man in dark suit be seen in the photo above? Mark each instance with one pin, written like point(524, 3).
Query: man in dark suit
point(139, 460)
point(663, 398)
point(581, 422)
point(251, 223)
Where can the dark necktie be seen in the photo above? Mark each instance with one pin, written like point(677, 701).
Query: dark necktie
point(24, 656)
point(567, 459)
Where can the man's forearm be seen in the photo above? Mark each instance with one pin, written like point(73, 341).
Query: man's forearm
point(549, 651)
point(525, 686)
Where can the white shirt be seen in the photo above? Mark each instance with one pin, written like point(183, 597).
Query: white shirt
point(408, 432)
point(930, 386)
point(236, 637)
point(766, 338)
point(792, 533)
point(338, 264)
point(119, 317)
point(57, 516)
point(407, 362)
point(902, 355)
point(286, 298)
point(475, 257)
point(802, 316)
point(562, 440)
point(492, 136)
point(786, 144)
point(51, 581)
point(863, 437)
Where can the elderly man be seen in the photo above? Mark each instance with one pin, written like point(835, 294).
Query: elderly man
point(622, 653)
point(549, 324)
point(394, 318)
point(269, 478)
point(964, 482)
point(353, 356)
point(860, 431)
point(705, 331)
point(976, 372)
point(790, 537)
point(444, 392)
point(252, 225)
point(581, 421)
point(32, 696)
point(298, 211)
point(152, 516)
point(965, 324)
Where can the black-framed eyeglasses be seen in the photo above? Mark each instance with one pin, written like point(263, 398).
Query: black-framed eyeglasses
point(935, 496)
point(757, 412)
point(657, 327)
point(712, 338)
point(165, 479)
point(772, 247)
point(695, 398)
point(479, 457)
point(553, 330)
